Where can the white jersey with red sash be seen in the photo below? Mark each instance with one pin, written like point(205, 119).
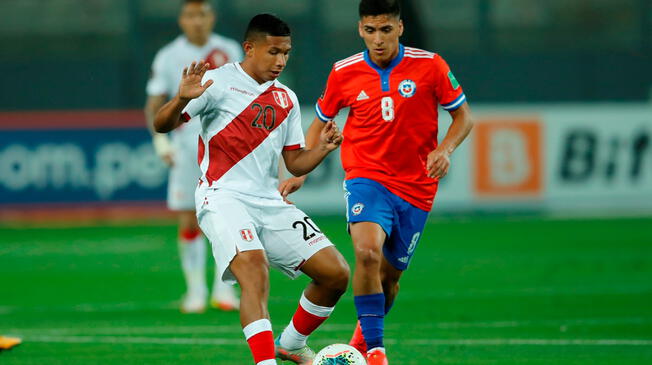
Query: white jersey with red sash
point(245, 126)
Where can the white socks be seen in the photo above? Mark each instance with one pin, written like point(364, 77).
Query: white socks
point(193, 262)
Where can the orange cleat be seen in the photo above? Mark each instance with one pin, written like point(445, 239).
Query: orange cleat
point(357, 340)
point(377, 357)
point(8, 342)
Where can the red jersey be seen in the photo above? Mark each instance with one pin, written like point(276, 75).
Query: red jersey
point(392, 122)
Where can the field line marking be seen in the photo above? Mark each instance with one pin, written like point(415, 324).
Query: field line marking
point(217, 329)
point(414, 342)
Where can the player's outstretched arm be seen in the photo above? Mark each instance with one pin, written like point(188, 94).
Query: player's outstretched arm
point(294, 183)
point(438, 161)
point(169, 116)
point(302, 161)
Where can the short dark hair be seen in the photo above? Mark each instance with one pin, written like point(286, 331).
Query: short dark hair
point(266, 24)
point(379, 7)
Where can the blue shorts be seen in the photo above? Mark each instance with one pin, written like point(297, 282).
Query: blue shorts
point(370, 201)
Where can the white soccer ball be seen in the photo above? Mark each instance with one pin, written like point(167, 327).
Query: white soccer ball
point(339, 354)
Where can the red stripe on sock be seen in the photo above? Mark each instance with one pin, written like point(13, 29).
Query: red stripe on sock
point(304, 322)
point(189, 234)
point(262, 346)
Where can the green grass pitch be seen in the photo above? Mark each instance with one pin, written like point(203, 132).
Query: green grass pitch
point(479, 291)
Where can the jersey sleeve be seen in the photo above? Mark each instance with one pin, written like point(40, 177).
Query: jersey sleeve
point(332, 100)
point(204, 104)
point(294, 138)
point(449, 92)
point(157, 85)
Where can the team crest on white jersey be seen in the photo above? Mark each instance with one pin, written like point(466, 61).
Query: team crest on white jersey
point(281, 98)
point(407, 88)
point(246, 235)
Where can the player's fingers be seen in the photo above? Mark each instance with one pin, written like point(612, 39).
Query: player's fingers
point(442, 169)
point(330, 135)
point(202, 67)
point(337, 140)
point(328, 126)
point(191, 69)
point(444, 172)
point(207, 84)
point(184, 74)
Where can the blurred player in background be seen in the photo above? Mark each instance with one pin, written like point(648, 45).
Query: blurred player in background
point(196, 20)
point(249, 120)
point(390, 155)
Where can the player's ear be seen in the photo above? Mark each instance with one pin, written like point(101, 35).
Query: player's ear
point(360, 29)
point(248, 47)
point(400, 27)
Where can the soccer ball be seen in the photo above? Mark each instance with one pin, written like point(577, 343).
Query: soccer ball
point(339, 354)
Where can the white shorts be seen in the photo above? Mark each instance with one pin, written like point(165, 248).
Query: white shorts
point(185, 172)
point(235, 222)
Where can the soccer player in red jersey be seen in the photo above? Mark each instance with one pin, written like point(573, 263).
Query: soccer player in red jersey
point(390, 155)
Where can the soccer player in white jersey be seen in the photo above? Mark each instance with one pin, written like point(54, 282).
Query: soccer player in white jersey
point(196, 20)
point(249, 120)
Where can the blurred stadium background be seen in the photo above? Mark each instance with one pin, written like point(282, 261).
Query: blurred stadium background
point(538, 251)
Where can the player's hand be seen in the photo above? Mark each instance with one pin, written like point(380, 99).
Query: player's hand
point(438, 163)
point(289, 186)
point(191, 77)
point(330, 137)
point(163, 148)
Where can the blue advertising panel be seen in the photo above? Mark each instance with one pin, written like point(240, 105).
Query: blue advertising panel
point(85, 157)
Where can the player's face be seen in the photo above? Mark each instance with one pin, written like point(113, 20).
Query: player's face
point(196, 21)
point(268, 56)
point(380, 34)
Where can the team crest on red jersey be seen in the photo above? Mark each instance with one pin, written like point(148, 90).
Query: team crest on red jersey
point(281, 98)
point(407, 88)
point(246, 235)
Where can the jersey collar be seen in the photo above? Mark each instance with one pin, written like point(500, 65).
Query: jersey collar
point(385, 72)
point(251, 80)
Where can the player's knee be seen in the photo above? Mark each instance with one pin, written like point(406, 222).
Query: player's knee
point(339, 279)
point(367, 257)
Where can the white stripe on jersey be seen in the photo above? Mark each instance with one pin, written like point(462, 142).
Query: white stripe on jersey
point(348, 59)
point(417, 50)
point(349, 63)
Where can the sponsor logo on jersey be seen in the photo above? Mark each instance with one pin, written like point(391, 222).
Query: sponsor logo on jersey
point(453, 80)
point(232, 88)
point(357, 208)
point(362, 96)
point(281, 98)
point(407, 88)
point(246, 235)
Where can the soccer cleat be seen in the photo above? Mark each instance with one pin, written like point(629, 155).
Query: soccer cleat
point(8, 342)
point(302, 356)
point(377, 357)
point(193, 303)
point(357, 340)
